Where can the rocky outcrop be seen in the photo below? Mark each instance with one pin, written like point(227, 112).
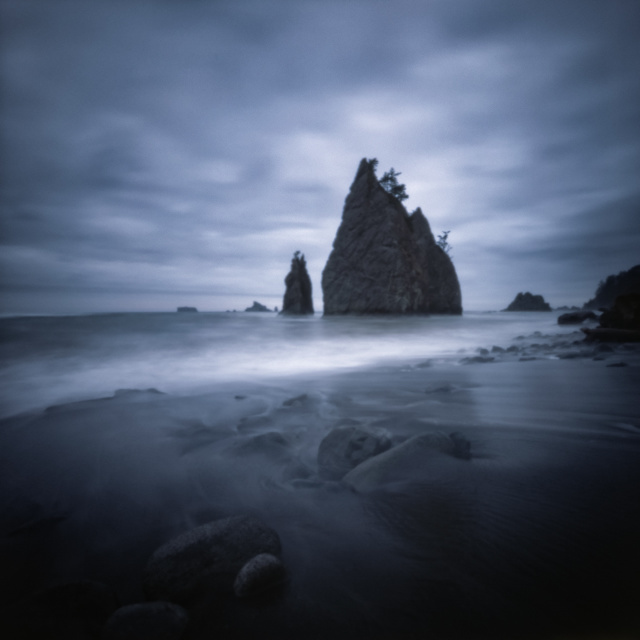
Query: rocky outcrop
point(256, 306)
point(385, 260)
point(576, 317)
point(608, 290)
point(297, 297)
point(621, 323)
point(528, 302)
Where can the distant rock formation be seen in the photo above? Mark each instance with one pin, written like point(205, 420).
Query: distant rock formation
point(256, 306)
point(385, 260)
point(187, 310)
point(608, 290)
point(528, 302)
point(297, 296)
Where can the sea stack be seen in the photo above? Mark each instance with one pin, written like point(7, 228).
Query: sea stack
point(385, 260)
point(297, 296)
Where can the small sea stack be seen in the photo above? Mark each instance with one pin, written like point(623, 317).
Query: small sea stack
point(528, 302)
point(298, 295)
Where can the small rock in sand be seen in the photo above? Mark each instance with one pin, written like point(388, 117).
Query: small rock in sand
point(263, 572)
point(147, 621)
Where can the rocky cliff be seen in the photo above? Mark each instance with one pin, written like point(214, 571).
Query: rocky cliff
point(297, 296)
point(385, 260)
point(615, 285)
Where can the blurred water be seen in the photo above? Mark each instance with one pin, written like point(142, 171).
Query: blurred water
point(47, 360)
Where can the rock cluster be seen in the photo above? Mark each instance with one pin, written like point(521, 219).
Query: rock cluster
point(528, 302)
point(208, 557)
point(576, 317)
point(297, 297)
point(621, 323)
point(385, 260)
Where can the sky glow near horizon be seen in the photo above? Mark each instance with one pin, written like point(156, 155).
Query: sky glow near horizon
point(165, 153)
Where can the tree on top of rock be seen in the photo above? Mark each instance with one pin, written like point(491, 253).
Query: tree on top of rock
point(389, 181)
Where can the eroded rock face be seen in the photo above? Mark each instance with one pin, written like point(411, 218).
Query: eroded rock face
point(297, 297)
point(384, 260)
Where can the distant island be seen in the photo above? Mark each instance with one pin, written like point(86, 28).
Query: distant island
point(187, 310)
point(256, 306)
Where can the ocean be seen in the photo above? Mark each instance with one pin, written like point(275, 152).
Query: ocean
point(48, 360)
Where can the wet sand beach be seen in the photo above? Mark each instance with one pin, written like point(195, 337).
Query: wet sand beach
point(536, 535)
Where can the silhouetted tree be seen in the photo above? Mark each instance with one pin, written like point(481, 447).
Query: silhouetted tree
point(389, 182)
point(443, 243)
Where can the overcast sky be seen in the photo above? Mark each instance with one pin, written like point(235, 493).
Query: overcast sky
point(158, 153)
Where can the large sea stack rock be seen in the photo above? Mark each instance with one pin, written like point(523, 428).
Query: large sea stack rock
point(297, 297)
point(385, 260)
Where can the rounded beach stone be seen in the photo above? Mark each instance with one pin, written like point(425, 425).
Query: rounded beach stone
point(345, 448)
point(207, 557)
point(147, 621)
point(263, 572)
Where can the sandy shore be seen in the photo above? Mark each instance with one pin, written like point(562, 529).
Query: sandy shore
point(535, 536)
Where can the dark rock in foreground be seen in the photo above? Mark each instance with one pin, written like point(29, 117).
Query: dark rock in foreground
point(298, 297)
point(147, 621)
point(576, 317)
point(528, 302)
point(615, 285)
point(345, 448)
point(385, 260)
point(256, 306)
point(207, 557)
point(187, 310)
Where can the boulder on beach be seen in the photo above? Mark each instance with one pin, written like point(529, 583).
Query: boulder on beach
point(577, 317)
point(615, 285)
point(345, 448)
point(385, 260)
point(398, 462)
point(147, 621)
point(528, 302)
point(207, 557)
point(263, 572)
point(297, 296)
point(256, 306)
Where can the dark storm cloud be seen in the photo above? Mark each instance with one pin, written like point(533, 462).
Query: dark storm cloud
point(197, 144)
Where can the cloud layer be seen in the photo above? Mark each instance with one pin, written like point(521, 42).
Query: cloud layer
point(161, 153)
